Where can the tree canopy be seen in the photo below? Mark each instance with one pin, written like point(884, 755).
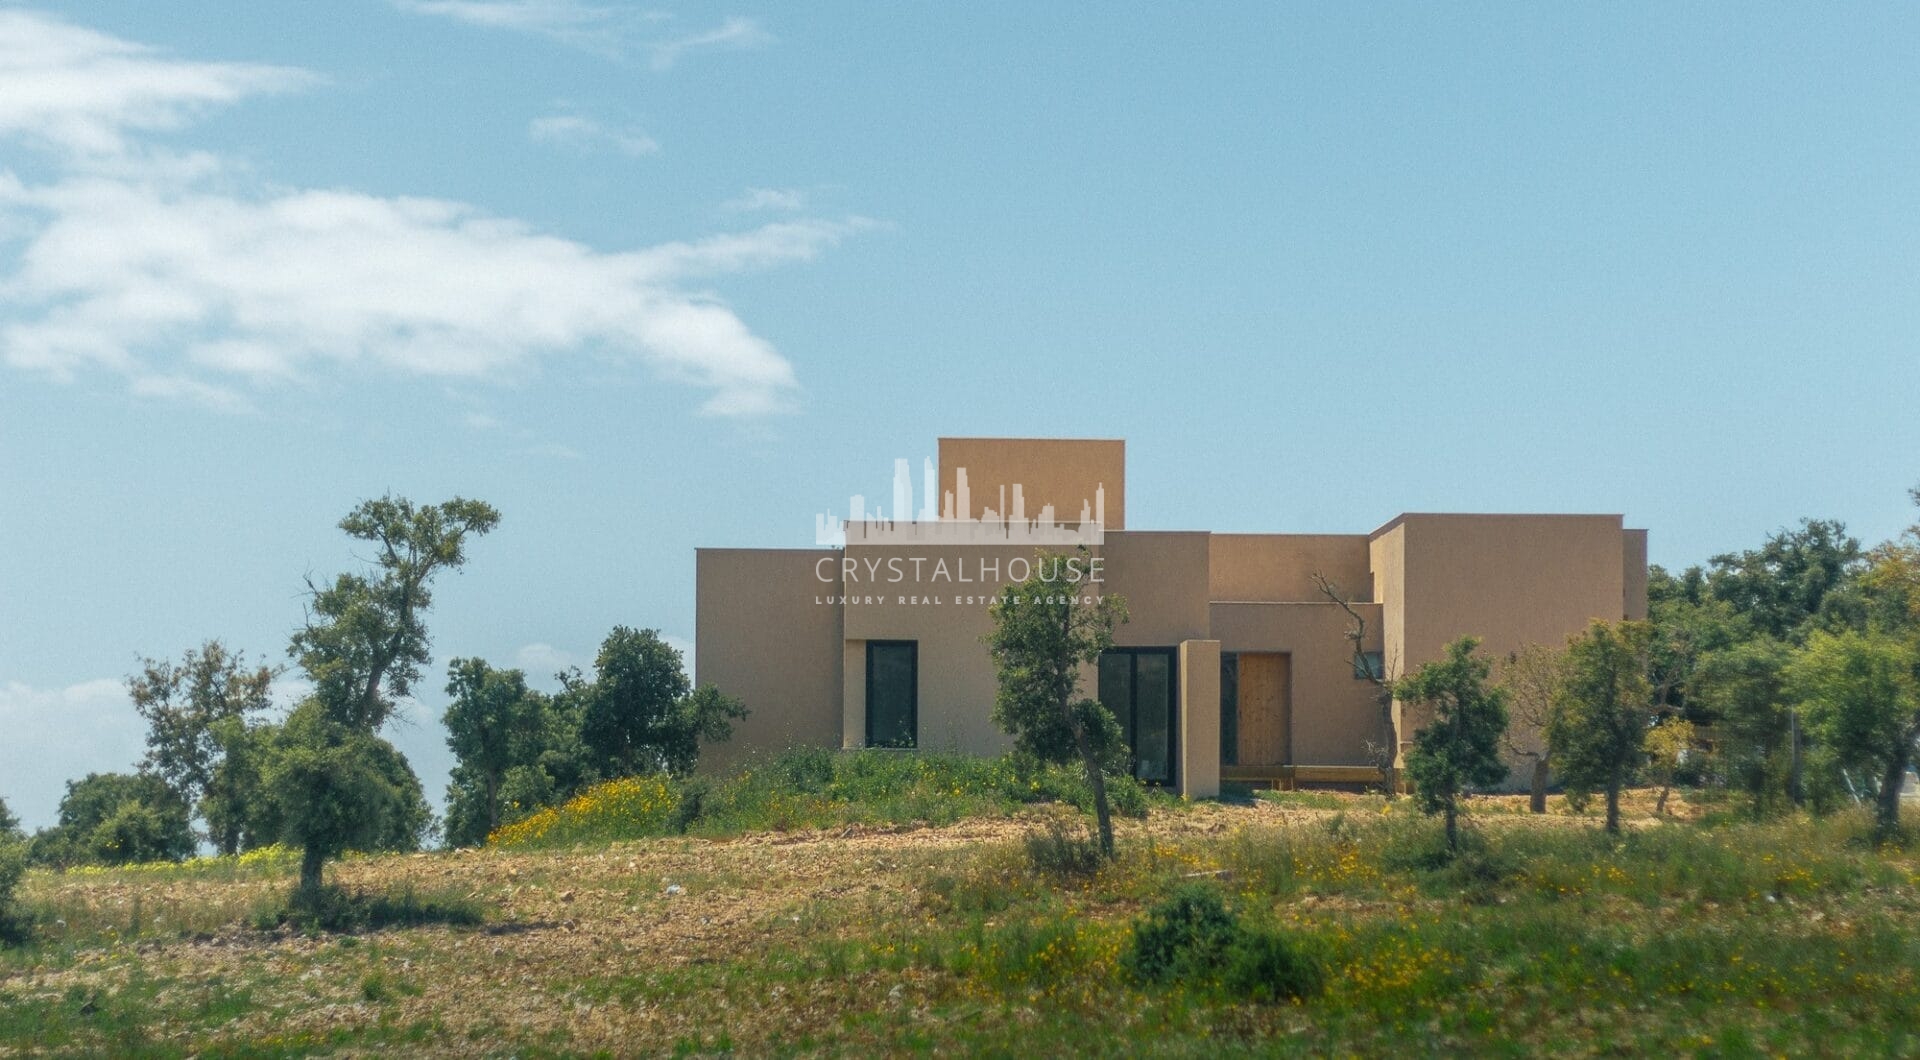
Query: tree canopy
point(1045, 631)
point(1460, 747)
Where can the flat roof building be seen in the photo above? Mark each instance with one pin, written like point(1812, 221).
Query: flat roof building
point(1234, 661)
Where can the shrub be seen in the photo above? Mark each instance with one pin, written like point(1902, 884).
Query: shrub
point(1268, 966)
point(1192, 938)
point(1063, 851)
point(1183, 937)
point(13, 865)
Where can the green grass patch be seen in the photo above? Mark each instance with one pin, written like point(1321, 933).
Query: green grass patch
point(810, 788)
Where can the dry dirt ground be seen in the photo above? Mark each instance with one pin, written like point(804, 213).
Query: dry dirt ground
point(629, 948)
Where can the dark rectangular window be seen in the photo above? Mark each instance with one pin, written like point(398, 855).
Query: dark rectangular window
point(1369, 666)
point(893, 693)
point(1138, 685)
point(1229, 708)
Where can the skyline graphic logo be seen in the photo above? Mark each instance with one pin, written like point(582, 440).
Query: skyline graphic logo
point(947, 517)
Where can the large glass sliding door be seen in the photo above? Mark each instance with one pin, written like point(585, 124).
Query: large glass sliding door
point(1138, 686)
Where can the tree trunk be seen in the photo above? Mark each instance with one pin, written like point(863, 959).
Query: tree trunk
point(1098, 782)
point(1887, 810)
point(1453, 824)
point(1796, 790)
point(312, 860)
point(1537, 802)
point(1613, 803)
point(1660, 804)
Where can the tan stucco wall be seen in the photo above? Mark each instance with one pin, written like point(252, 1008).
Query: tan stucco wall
point(1163, 575)
point(1511, 580)
point(1198, 742)
point(957, 680)
point(1280, 567)
point(762, 635)
point(1633, 573)
point(1334, 714)
point(1063, 472)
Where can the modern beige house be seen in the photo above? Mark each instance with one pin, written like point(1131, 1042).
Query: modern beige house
point(1234, 663)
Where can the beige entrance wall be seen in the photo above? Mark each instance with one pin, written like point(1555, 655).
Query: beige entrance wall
point(767, 633)
point(1199, 736)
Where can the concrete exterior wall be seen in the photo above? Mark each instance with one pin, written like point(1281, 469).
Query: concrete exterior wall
point(786, 630)
point(1198, 741)
point(762, 635)
point(1511, 580)
point(1164, 577)
point(1334, 714)
point(1063, 472)
point(949, 620)
point(1633, 575)
point(1280, 567)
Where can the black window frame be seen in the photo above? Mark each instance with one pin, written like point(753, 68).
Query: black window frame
point(1370, 666)
point(1132, 723)
point(1229, 708)
point(913, 699)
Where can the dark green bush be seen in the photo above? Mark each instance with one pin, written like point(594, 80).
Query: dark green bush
point(13, 866)
point(1191, 938)
point(1268, 966)
point(1184, 937)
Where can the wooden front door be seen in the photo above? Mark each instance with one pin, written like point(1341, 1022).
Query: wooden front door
point(1266, 709)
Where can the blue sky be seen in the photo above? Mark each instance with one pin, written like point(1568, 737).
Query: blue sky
point(651, 279)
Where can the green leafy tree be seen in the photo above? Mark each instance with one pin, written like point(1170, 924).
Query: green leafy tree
point(337, 787)
point(366, 638)
point(1789, 582)
point(1599, 726)
point(1667, 748)
point(9, 824)
point(1045, 632)
point(639, 714)
point(13, 868)
point(238, 808)
point(186, 706)
point(1742, 688)
point(116, 818)
point(1460, 747)
point(494, 723)
point(363, 644)
point(1862, 700)
point(629, 710)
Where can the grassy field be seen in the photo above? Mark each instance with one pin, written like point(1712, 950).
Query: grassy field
point(1713, 937)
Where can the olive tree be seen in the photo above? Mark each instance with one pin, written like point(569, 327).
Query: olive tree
point(190, 708)
point(1862, 700)
point(1046, 631)
point(1460, 747)
point(1598, 730)
point(362, 646)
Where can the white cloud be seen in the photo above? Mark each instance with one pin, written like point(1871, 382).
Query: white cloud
point(59, 734)
point(540, 661)
point(585, 134)
point(190, 281)
point(554, 451)
point(780, 200)
point(733, 34)
point(606, 30)
point(586, 26)
point(82, 91)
